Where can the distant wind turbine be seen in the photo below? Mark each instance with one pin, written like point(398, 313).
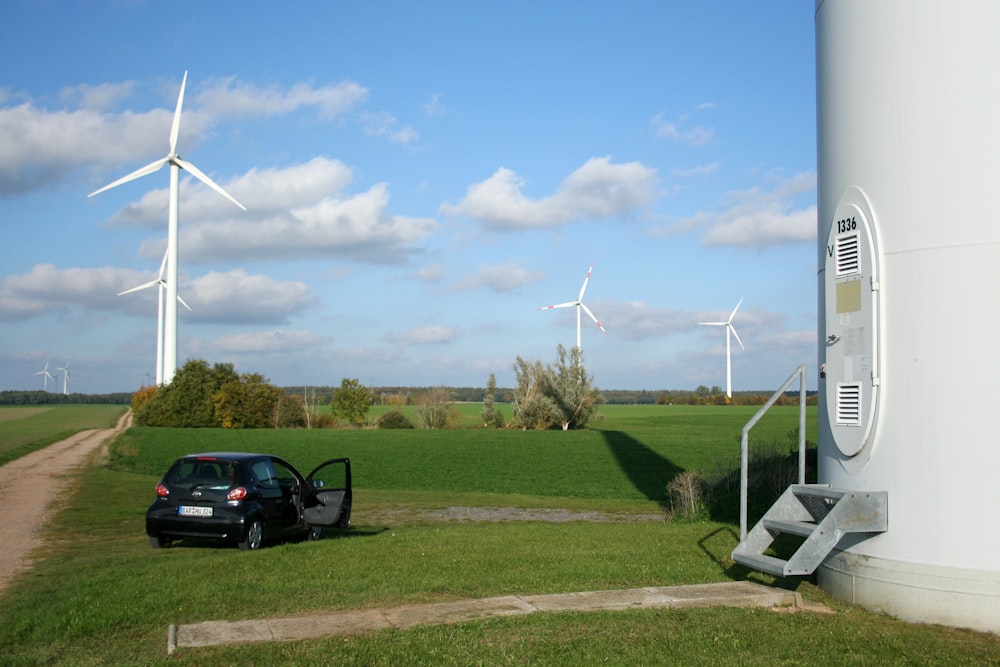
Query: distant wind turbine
point(159, 317)
point(65, 372)
point(580, 305)
point(729, 329)
point(176, 164)
point(46, 376)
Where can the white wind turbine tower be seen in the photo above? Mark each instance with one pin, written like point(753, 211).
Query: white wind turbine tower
point(46, 376)
point(580, 305)
point(162, 284)
point(176, 164)
point(729, 329)
point(65, 372)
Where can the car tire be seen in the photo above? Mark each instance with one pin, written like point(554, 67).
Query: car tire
point(254, 536)
point(158, 542)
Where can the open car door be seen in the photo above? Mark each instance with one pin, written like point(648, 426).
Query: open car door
point(328, 495)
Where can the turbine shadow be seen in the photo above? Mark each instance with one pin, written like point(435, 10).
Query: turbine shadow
point(648, 471)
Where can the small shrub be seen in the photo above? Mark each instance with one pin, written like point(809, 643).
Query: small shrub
point(324, 420)
point(394, 419)
point(686, 495)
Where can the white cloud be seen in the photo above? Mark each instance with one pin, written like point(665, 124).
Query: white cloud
point(434, 107)
point(500, 278)
point(677, 130)
point(598, 189)
point(238, 297)
point(226, 97)
point(432, 273)
point(268, 343)
point(294, 212)
point(383, 124)
point(232, 297)
point(759, 217)
point(697, 170)
point(42, 146)
point(430, 335)
point(356, 227)
point(100, 97)
point(636, 320)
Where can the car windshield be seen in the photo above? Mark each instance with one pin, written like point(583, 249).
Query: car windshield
point(199, 472)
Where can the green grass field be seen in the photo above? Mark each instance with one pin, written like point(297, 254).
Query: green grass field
point(100, 595)
point(25, 429)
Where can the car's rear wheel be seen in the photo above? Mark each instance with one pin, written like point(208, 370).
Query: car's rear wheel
point(254, 536)
point(158, 542)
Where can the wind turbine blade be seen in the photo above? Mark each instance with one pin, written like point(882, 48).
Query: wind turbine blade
point(138, 173)
point(733, 314)
point(596, 321)
point(182, 302)
point(163, 264)
point(585, 281)
point(151, 283)
point(175, 129)
point(568, 304)
point(733, 329)
point(714, 324)
point(184, 164)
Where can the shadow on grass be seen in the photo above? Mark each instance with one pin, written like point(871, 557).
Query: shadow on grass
point(648, 471)
point(718, 545)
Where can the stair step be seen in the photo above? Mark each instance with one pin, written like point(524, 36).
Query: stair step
point(818, 491)
point(801, 528)
point(761, 563)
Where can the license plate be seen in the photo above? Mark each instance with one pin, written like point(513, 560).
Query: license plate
point(188, 510)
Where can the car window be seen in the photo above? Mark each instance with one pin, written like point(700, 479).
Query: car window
point(264, 472)
point(200, 472)
point(286, 477)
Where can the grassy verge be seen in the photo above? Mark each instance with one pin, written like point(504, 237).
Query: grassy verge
point(26, 429)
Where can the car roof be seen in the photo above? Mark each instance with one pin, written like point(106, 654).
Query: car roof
point(229, 456)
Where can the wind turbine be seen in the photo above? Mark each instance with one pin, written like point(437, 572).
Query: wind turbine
point(729, 329)
point(176, 164)
point(580, 305)
point(65, 372)
point(46, 376)
point(159, 317)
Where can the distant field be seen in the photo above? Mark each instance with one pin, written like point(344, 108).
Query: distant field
point(25, 429)
point(627, 456)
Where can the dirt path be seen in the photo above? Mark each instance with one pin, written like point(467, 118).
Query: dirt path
point(29, 495)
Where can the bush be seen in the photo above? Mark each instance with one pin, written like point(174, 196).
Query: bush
point(686, 495)
point(394, 419)
point(715, 494)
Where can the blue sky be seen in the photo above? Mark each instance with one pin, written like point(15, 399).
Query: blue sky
point(419, 179)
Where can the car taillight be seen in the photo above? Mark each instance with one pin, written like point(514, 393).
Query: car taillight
point(239, 493)
point(162, 491)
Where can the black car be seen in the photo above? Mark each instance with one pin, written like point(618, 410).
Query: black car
point(245, 499)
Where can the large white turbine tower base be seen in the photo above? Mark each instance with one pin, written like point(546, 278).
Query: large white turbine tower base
point(909, 257)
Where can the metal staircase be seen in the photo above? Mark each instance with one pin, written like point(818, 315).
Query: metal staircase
point(819, 513)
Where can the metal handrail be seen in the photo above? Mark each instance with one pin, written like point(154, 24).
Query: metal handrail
point(800, 373)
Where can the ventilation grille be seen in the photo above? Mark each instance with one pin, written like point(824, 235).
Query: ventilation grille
point(848, 254)
point(849, 404)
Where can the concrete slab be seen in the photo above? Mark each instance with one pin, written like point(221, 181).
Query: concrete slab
point(733, 594)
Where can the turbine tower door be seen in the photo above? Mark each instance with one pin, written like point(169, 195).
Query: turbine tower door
point(851, 369)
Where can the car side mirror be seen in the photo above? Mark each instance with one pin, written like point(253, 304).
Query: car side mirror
point(318, 484)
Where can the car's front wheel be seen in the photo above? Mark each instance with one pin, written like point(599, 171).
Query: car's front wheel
point(158, 542)
point(254, 536)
